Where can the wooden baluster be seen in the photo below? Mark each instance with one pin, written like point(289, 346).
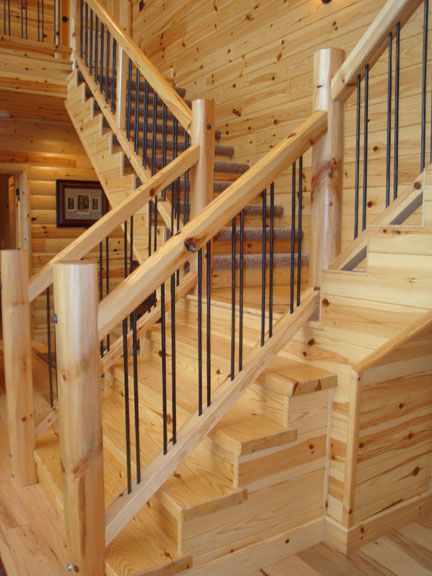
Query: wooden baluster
point(15, 266)
point(202, 174)
point(79, 405)
point(327, 169)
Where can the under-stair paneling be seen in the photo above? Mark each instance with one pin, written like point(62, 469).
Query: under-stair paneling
point(255, 58)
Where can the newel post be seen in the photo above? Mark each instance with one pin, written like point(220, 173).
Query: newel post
point(327, 169)
point(79, 406)
point(15, 268)
point(202, 174)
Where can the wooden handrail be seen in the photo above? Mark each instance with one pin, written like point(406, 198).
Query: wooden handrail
point(371, 45)
point(167, 93)
point(197, 427)
point(114, 218)
point(128, 295)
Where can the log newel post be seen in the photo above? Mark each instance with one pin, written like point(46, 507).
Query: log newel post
point(202, 174)
point(15, 268)
point(80, 421)
point(327, 169)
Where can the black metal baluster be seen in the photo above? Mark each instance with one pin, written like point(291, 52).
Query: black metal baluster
point(126, 404)
point(125, 251)
point(164, 379)
point(38, 21)
point(424, 85)
point(50, 363)
point(173, 359)
point(271, 259)
point(86, 30)
point(81, 32)
point(96, 49)
point(145, 123)
point(208, 319)
point(91, 43)
point(389, 116)
point(107, 71)
point(137, 112)
point(22, 17)
point(150, 226)
point(365, 146)
point(357, 159)
point(4, 17)
point(175, 188)
point(233, 294)
point(114, 75)
point(107, 278)
point(396, 114)
point(200, 354)
point(129, 99)
point(55, 21)
point(241, 290)
point(186, 210)
point(164, 141)
point(300, 231)
point(131, 244)
point(155, 224)
point(154, 132)
point(102, 59)
point(293, 233)
point(263, 264)
point(136, 396)
point(101, 288)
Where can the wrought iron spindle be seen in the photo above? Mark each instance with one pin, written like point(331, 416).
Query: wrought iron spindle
point(102, 57)
point(145, 124)
point(91, 43)
point(150, 227)
point(114, 75)
point(43, 20)
point(241, 289)
point(49, 347)
point(129, 99)
point(81, 33)
point(107, 69)
point(300, 231)
point(293, 234)
point(357, 159)
point(173, 359)
point(424, 85)
point(126, 404)
point(208, 320)
point(233, 295)
point(154, 132)
point(137, 114)
point(271, 259)
point(101, 288)
point(263, 265)
point(107, 278)
point(200, 354)
point(389, 116)
point(86, 31)
point(396, 115)
point(164, 375)
point(136, 396)
point(96, 49)
point(186, 210)
point(365, 146)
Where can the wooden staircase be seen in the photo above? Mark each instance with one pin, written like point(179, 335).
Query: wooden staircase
point(119, 178)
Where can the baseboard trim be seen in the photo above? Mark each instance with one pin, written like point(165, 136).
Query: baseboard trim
point(347, 540)
point(243, 562)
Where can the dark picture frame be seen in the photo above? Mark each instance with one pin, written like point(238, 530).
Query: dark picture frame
point(80, 203)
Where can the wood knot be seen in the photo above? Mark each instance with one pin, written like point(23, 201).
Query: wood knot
point(417, 185)
point(190, 245)
point(325, 302)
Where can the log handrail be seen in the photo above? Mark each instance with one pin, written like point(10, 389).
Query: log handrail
point(157, 81)
point(114, 218)
point(371, 46)
point(128, 295)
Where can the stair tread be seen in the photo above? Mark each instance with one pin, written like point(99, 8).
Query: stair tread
point(284, 375)
point(255, 233)
point(195, 484)
point(240, 431)
point(223, 261)
point(144, 546)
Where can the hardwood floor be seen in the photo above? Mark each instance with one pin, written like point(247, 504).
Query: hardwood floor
point(405, 552)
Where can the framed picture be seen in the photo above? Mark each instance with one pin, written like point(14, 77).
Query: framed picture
point(79, 203)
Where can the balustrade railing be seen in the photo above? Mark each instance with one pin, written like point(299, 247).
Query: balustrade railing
point(36, 20)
